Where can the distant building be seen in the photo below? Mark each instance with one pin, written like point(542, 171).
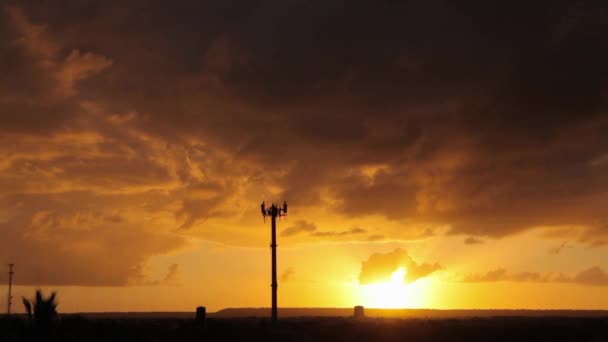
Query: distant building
point(201, 313)
point(359, 311)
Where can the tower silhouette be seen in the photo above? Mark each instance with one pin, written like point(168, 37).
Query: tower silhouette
point(274, 211)
point(10, 289)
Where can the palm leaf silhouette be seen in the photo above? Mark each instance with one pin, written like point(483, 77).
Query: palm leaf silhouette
point(28, 307)
point(44, 311)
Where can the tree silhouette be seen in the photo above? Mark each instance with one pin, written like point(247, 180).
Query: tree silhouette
point(43, 311)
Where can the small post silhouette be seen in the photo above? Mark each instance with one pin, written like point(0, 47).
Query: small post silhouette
point(10, 289)
point(274, 211)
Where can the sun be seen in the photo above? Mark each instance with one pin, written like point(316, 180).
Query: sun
point(391, 294)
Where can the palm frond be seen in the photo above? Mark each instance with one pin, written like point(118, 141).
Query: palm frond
point(39, 298)
point(28, 306)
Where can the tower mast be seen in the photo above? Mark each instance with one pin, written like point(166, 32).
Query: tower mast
point(10, 289)
point(274, 211)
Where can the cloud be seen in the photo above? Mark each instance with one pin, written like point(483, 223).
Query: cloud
point(299, 227)
point(490, 137)
point(379, 267)
point(382, 147)
point(62, 255)
point(375, 237)
point(501, 274)
point(172, 274)
point(140, 277)
point(472, 241)
point(593, 276)
point(33, 37)
point(351, 231)
point(593, 235)
point(559, 249)
point(46, 50)
point(78, 66)
point(287, 274)
point(303, 226)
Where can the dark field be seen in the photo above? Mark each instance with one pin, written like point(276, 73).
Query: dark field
point(77, 328)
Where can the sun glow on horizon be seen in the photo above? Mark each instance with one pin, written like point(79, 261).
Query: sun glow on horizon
point(391, 294)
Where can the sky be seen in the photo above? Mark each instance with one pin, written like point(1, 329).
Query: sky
point(434, 154)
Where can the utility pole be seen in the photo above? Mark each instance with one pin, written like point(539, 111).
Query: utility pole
point(10, 289)
point(274, 211)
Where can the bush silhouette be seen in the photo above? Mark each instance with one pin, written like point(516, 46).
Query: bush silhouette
point(41, 312)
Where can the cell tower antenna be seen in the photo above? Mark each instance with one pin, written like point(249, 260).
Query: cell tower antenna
point(274, 211)
point(10, 289)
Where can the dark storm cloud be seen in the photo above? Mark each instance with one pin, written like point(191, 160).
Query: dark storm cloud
point(479, 123)
point(488, 118)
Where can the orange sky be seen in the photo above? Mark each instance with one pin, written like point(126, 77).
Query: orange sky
point(137, 142)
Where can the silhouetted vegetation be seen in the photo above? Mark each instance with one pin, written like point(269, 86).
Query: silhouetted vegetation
point(42, 316)
point(78, 328)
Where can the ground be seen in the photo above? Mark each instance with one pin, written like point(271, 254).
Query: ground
point(75, 328)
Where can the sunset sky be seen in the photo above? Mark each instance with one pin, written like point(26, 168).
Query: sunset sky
point(434, 154)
